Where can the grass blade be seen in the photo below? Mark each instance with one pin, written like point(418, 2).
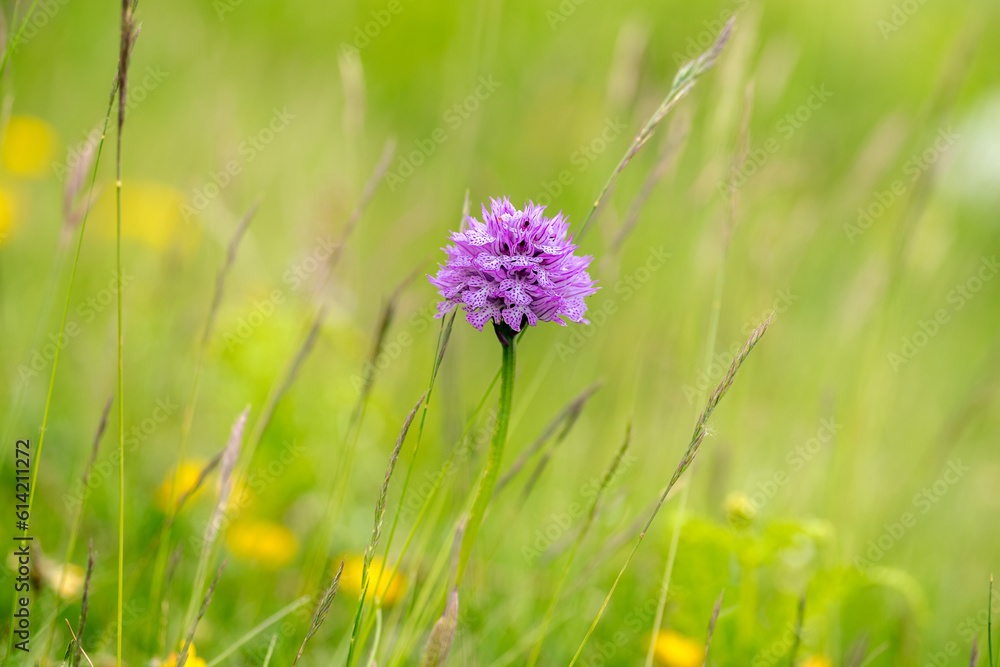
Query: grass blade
point(84, 608)
point(686, 460)
point(444, 336)
point(566, 417)
point(605, 480)
point(183, 655)
point(65, 314)
point(15, 37)
point(668, 158)
point(377, 530)
point(438, 481)
point(189, 408)
point(228, 464)
point(989, 625)
point(78, 517)
point(288, 377)
point(322, 609)
point(259, 628)
point(686, 77)
point(270, 650)
point(442, 345)
point(711, 625)
point(128, 35)
point(442, 634)
point(800, 617)
point(340, 481)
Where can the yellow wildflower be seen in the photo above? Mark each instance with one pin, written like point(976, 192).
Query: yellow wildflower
point(28, 146)
point(66, 580)
point(151, 214)
point(187, 476)
point(816, 661)
point(8, 214)
point(241, 499)
point(675, 650)
point(267, 543)
point(739, 509)
point(391, 588)
point(192, 660)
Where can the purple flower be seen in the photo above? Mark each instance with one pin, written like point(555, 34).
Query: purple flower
point(515, 265)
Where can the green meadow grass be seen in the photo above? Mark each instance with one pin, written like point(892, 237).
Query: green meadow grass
point(836, 171)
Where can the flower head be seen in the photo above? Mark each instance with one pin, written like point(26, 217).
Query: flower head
point(514, 266)
point(675, 650)
point(8, 214)
point(268, 544)
point(740, 509)
point(153, 214)
point(186, 475)
point(192, 658)
point(391, 588)
point(817, 661)
point(28, 145)
point(66, 579)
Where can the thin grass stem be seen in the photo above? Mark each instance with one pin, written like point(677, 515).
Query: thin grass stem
point(686, 460)
point(259, 628)
point(609, 474)
point(127, 38)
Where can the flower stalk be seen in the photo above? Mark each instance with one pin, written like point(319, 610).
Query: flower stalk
point(488, 481)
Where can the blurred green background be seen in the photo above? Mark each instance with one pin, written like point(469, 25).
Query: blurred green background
point(875, 247)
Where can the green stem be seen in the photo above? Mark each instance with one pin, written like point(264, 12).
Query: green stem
point(126, 37)
point(121, 417)
point(713, 333)
point(536, 651)
point(15, 36)
point(489, 479)
point(257, 629)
